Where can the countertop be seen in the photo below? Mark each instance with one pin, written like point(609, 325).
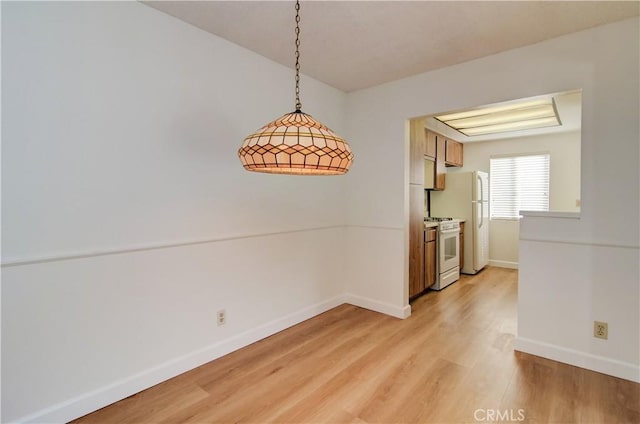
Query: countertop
point(431, 224)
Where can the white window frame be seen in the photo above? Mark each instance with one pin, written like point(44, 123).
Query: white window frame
point(519, 205)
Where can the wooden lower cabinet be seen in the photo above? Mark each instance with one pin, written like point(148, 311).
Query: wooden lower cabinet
point(430, 257)
point(461, 255)
point(416, 239)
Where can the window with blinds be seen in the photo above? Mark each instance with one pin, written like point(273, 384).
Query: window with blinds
point(518, 183)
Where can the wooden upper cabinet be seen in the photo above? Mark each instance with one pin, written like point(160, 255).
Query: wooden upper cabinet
point(453, 155)
point(417, 145)
point(430, 148)
point(440, 168)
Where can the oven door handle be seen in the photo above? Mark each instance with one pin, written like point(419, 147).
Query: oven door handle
point(445, 232)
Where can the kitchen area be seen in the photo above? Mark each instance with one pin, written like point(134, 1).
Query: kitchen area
point(524, 154)
point(448, 229)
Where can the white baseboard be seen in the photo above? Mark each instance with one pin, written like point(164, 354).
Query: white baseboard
point(92, 401)
point(377, 306)
point(504, 264)
point(580, 359)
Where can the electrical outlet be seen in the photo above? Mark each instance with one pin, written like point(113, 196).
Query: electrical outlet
point(221, 317)
point(600, 330)
point(578, 203)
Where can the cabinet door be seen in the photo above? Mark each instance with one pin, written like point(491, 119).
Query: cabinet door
point(441, 169)
point(430, 148)
point(461, 244)
point(430, 263)
point(416, 239)
point(417, 145)
point(429, 173)
point(453, 155)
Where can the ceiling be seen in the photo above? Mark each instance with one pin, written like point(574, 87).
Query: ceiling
point(352, 45)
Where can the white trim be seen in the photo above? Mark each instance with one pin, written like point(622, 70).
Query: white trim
point(377, 306)
point(374, 227)
point(581, 243)
point(146, 247)
point(106, 395)
point(580, 359)
point(545, 214)
point(164, 245)
point(503, 264)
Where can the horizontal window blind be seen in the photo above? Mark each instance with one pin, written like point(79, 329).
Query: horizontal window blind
point(519, 183)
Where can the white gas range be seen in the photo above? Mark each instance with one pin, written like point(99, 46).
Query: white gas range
point(448, 251)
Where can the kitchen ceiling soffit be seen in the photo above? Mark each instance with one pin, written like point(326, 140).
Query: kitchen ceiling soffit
point(539, 115)
point(514, 116)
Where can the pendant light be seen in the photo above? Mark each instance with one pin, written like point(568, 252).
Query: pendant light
point(296, 143)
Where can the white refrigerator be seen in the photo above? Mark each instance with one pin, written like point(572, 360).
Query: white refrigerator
point(466, 196)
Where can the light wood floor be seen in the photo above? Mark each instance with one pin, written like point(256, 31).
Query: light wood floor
point(451, 359)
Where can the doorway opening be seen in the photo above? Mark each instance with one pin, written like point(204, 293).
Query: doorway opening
point(528, 168)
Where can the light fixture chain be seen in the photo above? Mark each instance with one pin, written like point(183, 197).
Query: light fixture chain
point(298, 103)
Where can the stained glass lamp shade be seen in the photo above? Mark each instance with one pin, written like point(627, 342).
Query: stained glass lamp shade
point(296, 144)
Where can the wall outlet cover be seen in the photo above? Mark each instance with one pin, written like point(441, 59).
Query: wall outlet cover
point(600, 330)
point(221, 317)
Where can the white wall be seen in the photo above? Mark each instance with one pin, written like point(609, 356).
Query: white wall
point(120, 131)
point(564, 287)
point(564, 182)
point(609, 173)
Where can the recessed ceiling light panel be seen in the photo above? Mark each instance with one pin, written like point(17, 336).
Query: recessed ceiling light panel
point(511, 117)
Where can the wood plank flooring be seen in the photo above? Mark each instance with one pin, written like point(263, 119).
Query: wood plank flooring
point(452, 361)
